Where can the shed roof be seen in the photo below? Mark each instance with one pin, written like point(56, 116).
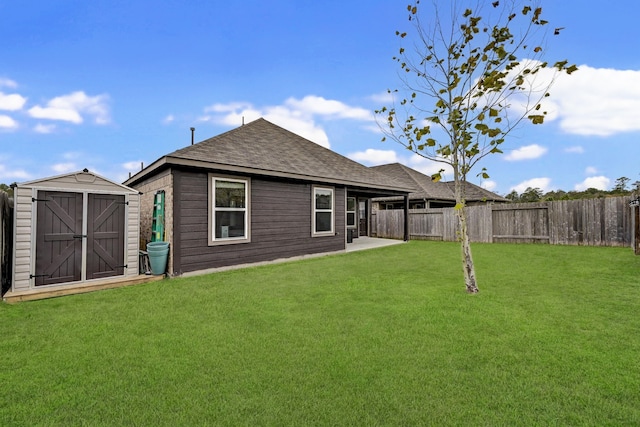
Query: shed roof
point(263, 148)
point(80, 180)
point(426, 188)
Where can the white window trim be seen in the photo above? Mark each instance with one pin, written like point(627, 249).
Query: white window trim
point(331, 232)
point(212, 210)
point(354, 212)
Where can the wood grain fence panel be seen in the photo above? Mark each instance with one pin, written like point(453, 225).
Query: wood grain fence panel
point(426, 224)
point(479, 223)
point(593, 222)
point(6, 241)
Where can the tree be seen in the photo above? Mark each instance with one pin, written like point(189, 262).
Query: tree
point(531, 195)
point(7, 189)
point(469, 69)
point(513, 196)
point(620, 186)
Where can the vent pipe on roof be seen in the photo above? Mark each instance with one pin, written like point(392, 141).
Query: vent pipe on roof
point(242, 120)
point(192, 131)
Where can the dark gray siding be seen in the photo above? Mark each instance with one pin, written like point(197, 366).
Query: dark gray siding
point(280, 224)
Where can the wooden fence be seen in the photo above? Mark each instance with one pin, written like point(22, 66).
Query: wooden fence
point(6, 241)
point(592, 222)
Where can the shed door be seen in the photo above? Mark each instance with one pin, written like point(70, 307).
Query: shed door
point(58, 238)
point(105, 235)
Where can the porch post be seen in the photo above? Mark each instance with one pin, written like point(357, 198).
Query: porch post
point(406, 218)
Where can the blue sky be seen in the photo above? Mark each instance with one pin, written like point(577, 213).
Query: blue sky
point(108, 85)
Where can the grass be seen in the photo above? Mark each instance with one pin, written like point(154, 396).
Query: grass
point(380, 337)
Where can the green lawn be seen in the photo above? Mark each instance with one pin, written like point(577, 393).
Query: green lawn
point(380, 337)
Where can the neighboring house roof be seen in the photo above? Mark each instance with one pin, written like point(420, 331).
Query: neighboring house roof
point(262, 148)
point(426, 188)
point(475, 193)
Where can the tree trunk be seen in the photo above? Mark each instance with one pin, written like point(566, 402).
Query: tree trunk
point(467, 260)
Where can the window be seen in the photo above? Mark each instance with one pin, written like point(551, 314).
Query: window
point(351, 212)
point(230, 206)
point(322, 211)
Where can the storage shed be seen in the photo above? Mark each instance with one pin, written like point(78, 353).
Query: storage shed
point(72, 231)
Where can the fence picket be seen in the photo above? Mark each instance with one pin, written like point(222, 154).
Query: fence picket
point(593, 222)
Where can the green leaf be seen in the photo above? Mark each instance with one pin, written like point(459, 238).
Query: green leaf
point(571, 69)
point(536, 119)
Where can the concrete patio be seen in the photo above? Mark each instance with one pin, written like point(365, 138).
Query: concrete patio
point(364, 242)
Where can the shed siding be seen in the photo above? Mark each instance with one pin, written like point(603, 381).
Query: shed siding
point(25, 221)
point(132, 235)
point(280, 224)
point(23, 238)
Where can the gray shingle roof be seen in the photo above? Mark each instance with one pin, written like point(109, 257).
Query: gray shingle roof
point(475, 193)
point(425, 188)
point(263, 148)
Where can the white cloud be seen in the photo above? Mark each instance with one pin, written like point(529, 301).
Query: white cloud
point(72, 108)
point(169, 119)
point(575, 149)
point(7, 122)
point(489, 185)
point(590, 170)
point(596, 101)
point(590, 101)
point(12, 102)
point(8, 83)
point(134, 166)
point(235, 114)
point(543, 184)
point(429, 167)
point(317, 105)
point(62, 168)
point(527, 152)
point(373, 157)
point(52, 113)
point(300, 116)
point(10, 175)
point(40, 128)
point(598, 182)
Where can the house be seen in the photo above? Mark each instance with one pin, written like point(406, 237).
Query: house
point(257, 193)
point(73, 232)
point(427, 193)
